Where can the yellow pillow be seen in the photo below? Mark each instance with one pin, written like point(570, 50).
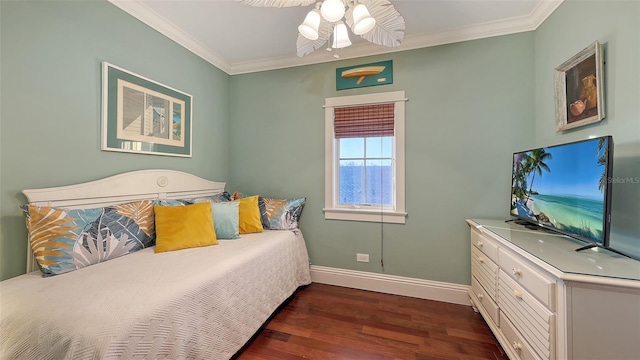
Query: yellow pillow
point(249, 214)
point(182, 227)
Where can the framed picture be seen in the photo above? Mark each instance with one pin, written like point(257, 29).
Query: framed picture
point(372, 74)
point(143, 116)
point(580, 89)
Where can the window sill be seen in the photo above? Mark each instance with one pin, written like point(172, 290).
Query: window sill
point(393, 217)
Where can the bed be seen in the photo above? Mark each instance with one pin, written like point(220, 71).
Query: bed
point(196, 303)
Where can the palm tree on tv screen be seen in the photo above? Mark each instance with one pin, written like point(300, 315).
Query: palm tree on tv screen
point(535, 164)
point(519, 177)
point(602, 160)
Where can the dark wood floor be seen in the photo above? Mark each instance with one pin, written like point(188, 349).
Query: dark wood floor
point(330, 322)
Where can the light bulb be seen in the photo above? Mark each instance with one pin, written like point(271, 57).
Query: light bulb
point(340, 36)
point(332, 10)
point(309, 27)
point(362, 20)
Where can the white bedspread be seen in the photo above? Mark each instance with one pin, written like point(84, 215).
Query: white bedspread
point(201, 303)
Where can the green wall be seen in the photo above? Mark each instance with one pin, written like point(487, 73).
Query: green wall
point(470, 107)
point(51, 99)
point(616, 25)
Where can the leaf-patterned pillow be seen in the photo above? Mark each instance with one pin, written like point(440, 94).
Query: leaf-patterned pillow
point(64, 240)
point(280, 214)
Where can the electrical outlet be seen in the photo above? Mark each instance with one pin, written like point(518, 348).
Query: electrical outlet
point(362, 258)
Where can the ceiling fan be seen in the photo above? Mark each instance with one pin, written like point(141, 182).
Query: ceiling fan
point(376, 21)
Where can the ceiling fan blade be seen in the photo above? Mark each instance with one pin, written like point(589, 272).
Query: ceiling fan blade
point(306, 46)
point(277, 3)
point(389, 28)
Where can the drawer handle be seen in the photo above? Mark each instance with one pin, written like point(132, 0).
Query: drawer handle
point(516, 346)
point(479, 244)
point(517, 294)
point(517, 272)
point(480, 296)
point(481, 259)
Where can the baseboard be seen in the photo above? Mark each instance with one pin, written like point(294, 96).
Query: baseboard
point(390, 284)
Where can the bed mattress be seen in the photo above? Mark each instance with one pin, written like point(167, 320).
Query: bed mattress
point(200, 303)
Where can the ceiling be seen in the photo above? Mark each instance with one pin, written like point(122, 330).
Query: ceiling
point(239, 38)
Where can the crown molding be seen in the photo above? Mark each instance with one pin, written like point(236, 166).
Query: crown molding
point(317, 57)
point(159, 23)
point(543, 11)
point(508, 26)
point(513, 25)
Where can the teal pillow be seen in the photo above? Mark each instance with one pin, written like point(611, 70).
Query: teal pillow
point(225, 219)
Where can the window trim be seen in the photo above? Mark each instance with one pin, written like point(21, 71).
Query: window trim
point(331, 210)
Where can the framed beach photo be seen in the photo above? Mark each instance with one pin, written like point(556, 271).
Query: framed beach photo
point(579, 84)
point(143, 116)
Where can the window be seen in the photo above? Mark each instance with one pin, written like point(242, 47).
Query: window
point(364, 158)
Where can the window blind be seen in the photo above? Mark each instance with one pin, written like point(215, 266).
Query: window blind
point(364, 121)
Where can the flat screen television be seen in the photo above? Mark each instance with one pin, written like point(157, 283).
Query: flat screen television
point(565, 189)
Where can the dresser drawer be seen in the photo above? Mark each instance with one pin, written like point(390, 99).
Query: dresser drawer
point(530, 317)
point(484, 244)
point(517, 345)
point(539, 286)
point(480, 298)
point(485, 270)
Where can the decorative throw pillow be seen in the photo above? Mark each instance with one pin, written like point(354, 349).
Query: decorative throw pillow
point(249, 221)
point(281, 214)
point(64, 240)
point(225, 221)
point(226, 217)
point(182, 227)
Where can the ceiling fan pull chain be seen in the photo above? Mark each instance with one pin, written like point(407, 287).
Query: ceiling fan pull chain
point(329, 37)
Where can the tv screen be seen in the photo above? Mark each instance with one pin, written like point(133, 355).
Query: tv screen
point(565, 188)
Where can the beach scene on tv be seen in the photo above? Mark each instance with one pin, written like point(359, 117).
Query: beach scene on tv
point(562, 187)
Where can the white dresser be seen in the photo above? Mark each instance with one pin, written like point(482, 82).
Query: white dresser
point(544, 300)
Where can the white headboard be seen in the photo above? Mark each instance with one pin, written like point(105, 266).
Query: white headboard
point(125, 187)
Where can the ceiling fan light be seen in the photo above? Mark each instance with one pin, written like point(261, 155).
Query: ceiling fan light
point(309, 27)
point(332, 10)
point(340, 36)
point(362, 20)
